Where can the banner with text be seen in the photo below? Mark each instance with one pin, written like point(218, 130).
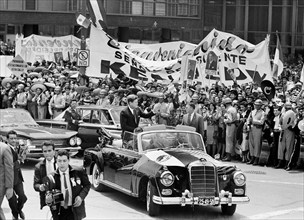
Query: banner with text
point(38, 48)
point(160, 62)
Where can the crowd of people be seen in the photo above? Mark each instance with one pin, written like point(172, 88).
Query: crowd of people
point(235, 121)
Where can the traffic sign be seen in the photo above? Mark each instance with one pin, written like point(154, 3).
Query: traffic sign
point(83, 57)
point(17, 65)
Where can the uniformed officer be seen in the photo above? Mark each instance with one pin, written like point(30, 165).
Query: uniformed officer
point(57, 102)
point(256, 121)
point(230, 118)
point(72, 116)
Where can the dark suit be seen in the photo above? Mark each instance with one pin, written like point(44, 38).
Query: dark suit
point(73, 118)
point(40, 173)
point(80, 187)
point(6, 172)
point(196, 122)
point(16, 204)
point(129, 121)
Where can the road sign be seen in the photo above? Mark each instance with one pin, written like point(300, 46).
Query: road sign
point(83, 57)
point(17, 65)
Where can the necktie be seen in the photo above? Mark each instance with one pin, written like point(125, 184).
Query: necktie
point(134, 113)
point(66, 198)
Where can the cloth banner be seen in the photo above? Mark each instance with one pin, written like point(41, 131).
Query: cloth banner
point(37, 48)
point(156, 62)
point(232, 51)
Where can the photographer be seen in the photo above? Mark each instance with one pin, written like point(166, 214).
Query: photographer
point(44, 168)
point(74, 186)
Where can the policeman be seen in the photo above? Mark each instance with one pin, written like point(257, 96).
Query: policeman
point(230, 119)
point(256, 121)
point(72, 116)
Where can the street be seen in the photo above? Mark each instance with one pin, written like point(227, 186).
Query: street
point(274, 194)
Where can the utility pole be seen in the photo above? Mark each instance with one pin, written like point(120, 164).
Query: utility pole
point(82, 69)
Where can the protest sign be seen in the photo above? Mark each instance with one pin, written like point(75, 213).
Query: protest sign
point(4, 70)
point(17, 65)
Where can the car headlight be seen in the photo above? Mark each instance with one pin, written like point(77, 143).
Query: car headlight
point(72, 141)
point(167, 178)
point(78, 141)
point(239, 178)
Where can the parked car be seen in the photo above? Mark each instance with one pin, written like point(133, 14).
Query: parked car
point(34, 135)
point(166, 166)
point(94, 117)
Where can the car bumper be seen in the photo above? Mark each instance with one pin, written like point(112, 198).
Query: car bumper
point(37, 152)
point(224, 198)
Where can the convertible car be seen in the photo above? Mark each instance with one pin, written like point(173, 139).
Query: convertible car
point(34, 135)
point(94, 117)
point(166, 166)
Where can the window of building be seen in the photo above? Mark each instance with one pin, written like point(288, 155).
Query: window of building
point(2, 27)
point(44, 5)
point(59, 5)
point(14, 5)
point(281, 19)
point(45, 29)
point(11, 29)
point(30, 5)
point(61, 30)
point(258, 18)
point(137, 8)
point(73, 5)
point(172, 7)
point(235, 18)
point(126, 7)
point(148, 7)
point(282, 2)
point(182, 8)
point(258, 2)
point(113, 6)
point(212, 16)
point(160, 8)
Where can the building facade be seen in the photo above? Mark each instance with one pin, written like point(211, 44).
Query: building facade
point(148, 21)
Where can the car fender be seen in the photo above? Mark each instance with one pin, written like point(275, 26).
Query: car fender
point(96, 157)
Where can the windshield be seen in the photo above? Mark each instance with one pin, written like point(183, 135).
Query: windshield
point(16, 118)
point(164, 140)
point(116, 115)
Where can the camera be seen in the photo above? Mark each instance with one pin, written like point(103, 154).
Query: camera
point(53, 197)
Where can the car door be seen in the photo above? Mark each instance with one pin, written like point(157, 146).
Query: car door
point(85, 130)
point(127, 157)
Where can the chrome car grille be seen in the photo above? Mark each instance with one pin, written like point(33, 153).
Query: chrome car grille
point(56, 142)
point(203, 180)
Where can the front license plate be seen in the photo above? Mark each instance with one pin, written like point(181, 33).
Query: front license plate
point(204, 201)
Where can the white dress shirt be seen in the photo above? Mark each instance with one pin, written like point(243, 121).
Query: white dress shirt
point(49, 166)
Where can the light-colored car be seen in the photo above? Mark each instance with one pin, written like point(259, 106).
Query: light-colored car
point(34, 135)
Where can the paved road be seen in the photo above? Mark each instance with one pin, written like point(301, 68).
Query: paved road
point(274, 194)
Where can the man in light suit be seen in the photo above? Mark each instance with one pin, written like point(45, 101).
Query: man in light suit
point(130, 116)
point(193, 119)
point(6, 174)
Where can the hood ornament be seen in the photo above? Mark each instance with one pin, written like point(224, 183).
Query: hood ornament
point(203, 159)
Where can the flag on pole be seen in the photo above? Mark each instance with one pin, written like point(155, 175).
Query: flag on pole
point(82, 20)
point(97, 13)
point(278, 60)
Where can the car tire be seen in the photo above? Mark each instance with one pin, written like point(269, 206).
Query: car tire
point(228, 210)
point(152, 208)
point(96, 176)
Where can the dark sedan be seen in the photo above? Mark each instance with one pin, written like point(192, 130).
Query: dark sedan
point(166, 166)
point(93, 118)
